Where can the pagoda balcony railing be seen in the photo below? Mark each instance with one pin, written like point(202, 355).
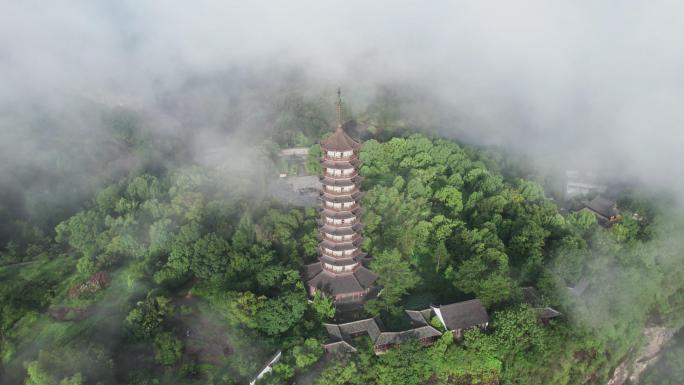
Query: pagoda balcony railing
point(338, 209)
point(339, 193)
point(354, 238)
point(342, 270)
point(357, 253)
point(340, 175)
point(339, 158)
point(346, 224)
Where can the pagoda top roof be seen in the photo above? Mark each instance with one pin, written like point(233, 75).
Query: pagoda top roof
point(340, 141)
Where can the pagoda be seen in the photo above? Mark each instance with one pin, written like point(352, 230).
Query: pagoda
point(339, 272)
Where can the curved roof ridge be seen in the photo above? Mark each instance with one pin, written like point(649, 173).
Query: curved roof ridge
point(340, 141)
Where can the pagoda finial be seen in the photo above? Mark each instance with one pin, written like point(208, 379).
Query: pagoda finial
point(339, 109)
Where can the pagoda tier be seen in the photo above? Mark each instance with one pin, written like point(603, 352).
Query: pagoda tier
point(340, 181)
point(322, 223)
point(340, 164)
point(348, 259)
point(340, 273)
point(354, 196)
point(338, 249)
point(341, 233)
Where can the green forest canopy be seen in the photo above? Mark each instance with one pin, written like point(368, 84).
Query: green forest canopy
point(444, 222)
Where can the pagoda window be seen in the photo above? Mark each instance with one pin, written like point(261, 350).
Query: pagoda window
point(333, 171)
point(332, 267)
point(346, 237)
point(347, 171)
point(347, 153)
point(338, 269)
point(348, 204)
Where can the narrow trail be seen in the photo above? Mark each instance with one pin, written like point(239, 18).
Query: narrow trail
point(17, 264)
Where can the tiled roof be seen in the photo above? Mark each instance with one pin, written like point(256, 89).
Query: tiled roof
point(327, 163)
point(344, 230)
point(602, 206)
point(340, 198)
point(548, 313)
point(342, 182)
point(340, 141)
point(340, 214)
point(339, 261)
point(463, 315)
point(339, 347)
point(407, 335)
point(340, 245)
point(337, 284)
point(417, 317)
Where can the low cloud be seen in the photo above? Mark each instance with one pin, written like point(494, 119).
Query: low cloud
point(585, 83)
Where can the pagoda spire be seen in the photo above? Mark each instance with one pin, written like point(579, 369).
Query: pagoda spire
point(339, 109)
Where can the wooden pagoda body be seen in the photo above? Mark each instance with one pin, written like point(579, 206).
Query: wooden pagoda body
point(339, 272)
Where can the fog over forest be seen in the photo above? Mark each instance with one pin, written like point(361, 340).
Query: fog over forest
point(584, 82)
point(587, 85)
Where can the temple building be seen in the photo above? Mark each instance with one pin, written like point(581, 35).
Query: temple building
point(461, 316)
point(340, 272)
point(456, 317)
point(604, 209)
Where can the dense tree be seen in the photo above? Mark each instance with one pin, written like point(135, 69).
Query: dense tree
point(338, 373)
point(281, 313)
point(308, 353)
point(167, 348)
point(396, 277)
point(145, 319)
point(324, 307)
point(444, 222)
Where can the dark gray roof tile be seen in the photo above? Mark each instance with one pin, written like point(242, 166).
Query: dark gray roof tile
point(463, 315)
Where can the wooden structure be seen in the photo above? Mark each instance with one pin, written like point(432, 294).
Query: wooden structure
point(461, 316)
point(340, 272)
point(456, 317)
point(604, 209)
